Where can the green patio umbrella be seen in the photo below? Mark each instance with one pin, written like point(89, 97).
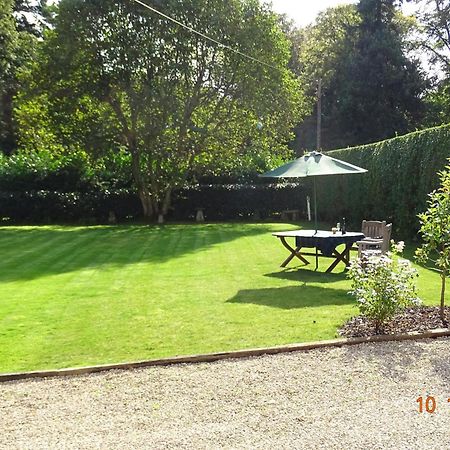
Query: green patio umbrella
point(313, 164)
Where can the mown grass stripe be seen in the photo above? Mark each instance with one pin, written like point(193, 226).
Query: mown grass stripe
point(136, 256)
point(27, 248)
point(60, 251)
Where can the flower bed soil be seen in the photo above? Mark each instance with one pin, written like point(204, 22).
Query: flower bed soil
point(421, 318)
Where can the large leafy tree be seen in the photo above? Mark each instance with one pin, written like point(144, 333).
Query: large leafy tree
point(434, 18)
point(9, 47)
point(372, 89)
point(325, 49)
point(176, 102)
point(433, 40)
point(383, 95)
point(22, 22)
point(438, 103)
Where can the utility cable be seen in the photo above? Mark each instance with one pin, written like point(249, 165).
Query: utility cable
point(204, 36)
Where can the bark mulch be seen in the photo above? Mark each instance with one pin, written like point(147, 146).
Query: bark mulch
point(421, 318)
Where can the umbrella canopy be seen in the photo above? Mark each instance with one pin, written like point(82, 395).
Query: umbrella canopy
point(312, 165)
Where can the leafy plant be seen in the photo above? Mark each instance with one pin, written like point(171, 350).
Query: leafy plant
point(435, 230)
point(383, 285)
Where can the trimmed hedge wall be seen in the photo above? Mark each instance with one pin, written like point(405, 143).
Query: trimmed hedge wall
point(220, 202)
point(401, 172)
point(40, 187)
point(44, 207)
point(239, 201)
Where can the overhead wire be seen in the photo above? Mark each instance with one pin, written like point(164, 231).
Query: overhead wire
point(204, 36)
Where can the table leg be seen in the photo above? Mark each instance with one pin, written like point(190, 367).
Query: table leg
point(344, 257)
point(289, 258)
point(294, 252)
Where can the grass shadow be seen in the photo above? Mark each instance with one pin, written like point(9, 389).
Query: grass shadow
point(293, 297)
point(307, 276)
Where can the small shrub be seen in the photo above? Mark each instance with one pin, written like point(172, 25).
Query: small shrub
point(383, 285)
point(435, 230)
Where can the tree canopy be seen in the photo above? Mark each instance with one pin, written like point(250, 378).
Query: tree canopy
point(433, 41)
point(383, 95)
point(9, 39)
point(434, 18)
point(176, 102)
point(372, 89)
point(21, 23)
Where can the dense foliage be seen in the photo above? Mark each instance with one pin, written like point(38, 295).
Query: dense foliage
point(72, 186)
point(9, 45)
point(109, 96)
point(44, 187)
point(22, 22)
point(433, 40)
point(323, 52)
point(401, 173)
point(382, 96)
point(252, 201)
point(434, 18)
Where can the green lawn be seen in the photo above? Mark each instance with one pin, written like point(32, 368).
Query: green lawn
point(72, 296)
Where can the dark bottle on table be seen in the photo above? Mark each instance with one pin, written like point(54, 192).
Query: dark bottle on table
point(343, 226)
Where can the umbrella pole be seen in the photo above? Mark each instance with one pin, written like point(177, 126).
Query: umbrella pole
point(315, 204)
point(315, 221)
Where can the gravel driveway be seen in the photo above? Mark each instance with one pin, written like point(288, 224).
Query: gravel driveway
point(361, 397)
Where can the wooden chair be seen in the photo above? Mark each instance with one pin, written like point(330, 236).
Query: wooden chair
point(373, 229)
point(377, 240)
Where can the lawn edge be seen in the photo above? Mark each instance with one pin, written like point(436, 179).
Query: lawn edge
point(210, 357)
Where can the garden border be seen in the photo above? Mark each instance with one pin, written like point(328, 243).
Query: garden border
point(210, 357)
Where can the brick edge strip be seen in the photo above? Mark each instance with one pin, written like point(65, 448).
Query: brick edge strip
point(210, 357)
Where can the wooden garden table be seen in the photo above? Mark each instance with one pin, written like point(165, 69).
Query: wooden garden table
point(324, 242)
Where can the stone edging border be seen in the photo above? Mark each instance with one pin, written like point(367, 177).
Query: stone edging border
point(209, 357)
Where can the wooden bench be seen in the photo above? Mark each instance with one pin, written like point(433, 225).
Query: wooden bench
point(291, 214)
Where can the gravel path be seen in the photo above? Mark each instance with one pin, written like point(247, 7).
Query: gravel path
point(358, 397)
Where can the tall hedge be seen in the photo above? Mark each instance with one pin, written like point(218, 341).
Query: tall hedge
point(401, 172)
point(219, 202)
point(239, 201)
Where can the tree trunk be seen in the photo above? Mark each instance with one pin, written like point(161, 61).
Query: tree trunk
point(162, 208)
point(166, 201)
point(146, 202)
point(145, 196)
point(442, 311)
point(129, 133)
